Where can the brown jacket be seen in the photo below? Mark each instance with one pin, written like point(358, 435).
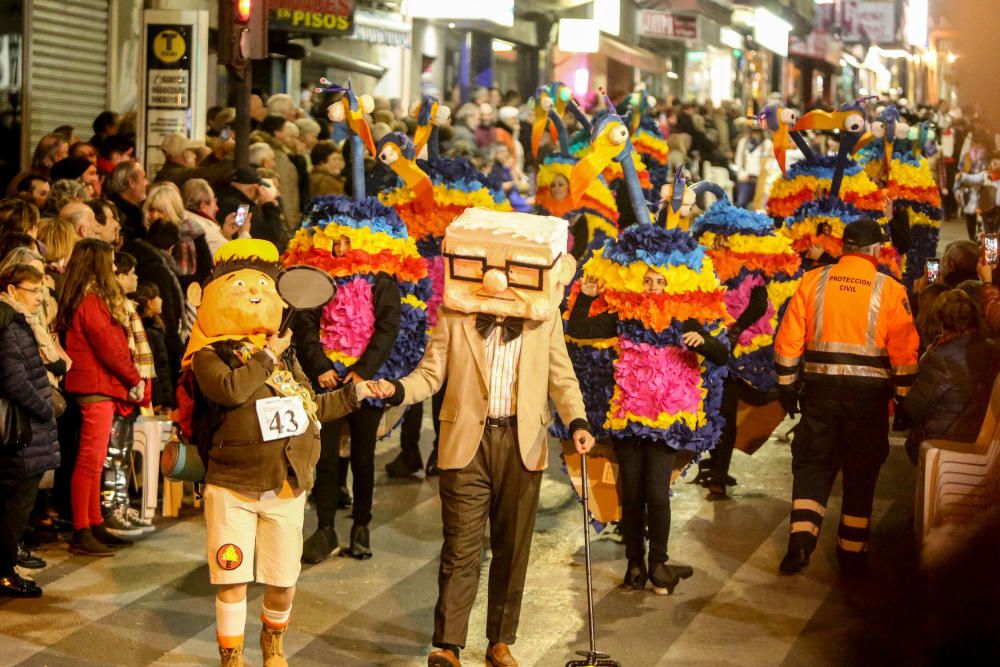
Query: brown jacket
point(239, 459)
point(322, 182)
point(457, 353)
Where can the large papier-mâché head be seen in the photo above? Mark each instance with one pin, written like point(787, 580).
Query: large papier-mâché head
point(506, 264)
point(241, 298)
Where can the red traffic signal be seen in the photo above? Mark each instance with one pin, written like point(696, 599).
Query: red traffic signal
point(244, 8)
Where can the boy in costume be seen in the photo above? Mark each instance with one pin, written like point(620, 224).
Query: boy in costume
point(499, 345)
point(259, 422)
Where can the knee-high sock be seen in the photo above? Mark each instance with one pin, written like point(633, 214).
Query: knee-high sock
point(276, 620)
point(230, 621)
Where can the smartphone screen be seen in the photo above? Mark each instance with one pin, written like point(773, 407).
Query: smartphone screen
point(241, 215)
point(933, 268)
point(224, 133)
point(991, 247)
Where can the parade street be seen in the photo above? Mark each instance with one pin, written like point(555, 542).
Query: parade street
point(153, 604)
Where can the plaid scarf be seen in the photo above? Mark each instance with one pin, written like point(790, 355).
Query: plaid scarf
point(138, 344)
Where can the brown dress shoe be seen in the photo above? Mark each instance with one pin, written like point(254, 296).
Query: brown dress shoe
point(498, 655)
point(443, 658)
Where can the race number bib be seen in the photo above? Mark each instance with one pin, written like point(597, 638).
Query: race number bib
point(281, 417)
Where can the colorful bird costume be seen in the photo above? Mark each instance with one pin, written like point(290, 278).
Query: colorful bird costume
point(596, 203)
point(831, 192)
point(660, 391)
point(909, 183)
point(379, 243)
point(747, 252)
point(428, 195)
point(647, 139)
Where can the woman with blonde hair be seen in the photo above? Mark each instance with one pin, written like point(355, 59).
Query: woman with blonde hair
point(192, 254)
point(103, 379)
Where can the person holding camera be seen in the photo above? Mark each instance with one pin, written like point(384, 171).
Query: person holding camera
point(260, 197)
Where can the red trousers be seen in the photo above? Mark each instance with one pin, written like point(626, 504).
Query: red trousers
point(85, 487)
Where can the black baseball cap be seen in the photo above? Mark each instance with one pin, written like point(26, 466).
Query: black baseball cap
point(70, 167)
point(861, 233)
point(244, 176)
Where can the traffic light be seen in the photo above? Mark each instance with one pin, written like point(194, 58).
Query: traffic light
point(244, 8)
point(242, 32)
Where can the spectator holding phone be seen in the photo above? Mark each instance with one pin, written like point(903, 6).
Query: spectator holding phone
point(247, 188)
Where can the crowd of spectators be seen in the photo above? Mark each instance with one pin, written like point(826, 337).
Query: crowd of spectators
point(96, 260)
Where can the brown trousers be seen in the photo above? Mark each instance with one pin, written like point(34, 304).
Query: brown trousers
point(495, 486)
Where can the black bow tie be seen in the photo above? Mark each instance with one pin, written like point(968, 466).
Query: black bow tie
point(511, 326)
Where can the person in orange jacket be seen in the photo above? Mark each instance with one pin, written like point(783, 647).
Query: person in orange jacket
point(845, 347)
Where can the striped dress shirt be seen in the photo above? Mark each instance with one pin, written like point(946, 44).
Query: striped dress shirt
point(501, 359)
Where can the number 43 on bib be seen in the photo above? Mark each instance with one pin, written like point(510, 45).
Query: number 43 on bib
point(281, 417)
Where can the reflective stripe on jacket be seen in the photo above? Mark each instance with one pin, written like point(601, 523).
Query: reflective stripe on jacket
point(847, 328)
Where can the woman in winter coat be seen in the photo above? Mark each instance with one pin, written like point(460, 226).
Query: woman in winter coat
point(952, 391)
point(24, 381)
point(103, 379)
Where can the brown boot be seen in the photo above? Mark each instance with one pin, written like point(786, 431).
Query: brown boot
point(231, 657)
point(272, 646)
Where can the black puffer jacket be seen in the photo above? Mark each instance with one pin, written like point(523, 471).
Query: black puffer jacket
point(951, 393)
point(23, 380)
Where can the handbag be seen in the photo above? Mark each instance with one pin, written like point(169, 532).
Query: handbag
point(15, 425)
point(180, 461)
point(58, 402)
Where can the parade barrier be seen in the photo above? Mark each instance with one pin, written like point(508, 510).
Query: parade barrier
point(959, 480)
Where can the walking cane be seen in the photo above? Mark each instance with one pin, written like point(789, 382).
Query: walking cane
point(593, 657)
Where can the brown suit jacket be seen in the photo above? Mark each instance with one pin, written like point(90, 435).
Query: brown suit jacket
point(239, 458)
point(456, 353)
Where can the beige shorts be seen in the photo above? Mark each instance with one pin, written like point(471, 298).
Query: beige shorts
point(244, 527)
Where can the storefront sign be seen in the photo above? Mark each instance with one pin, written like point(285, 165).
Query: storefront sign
point(819, 45)
point(666, 25)
point(325, 17)
point(859, 20)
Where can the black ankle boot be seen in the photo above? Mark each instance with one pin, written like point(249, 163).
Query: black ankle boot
point(320, 545)
point(404, 465)
point(797, 557)
point(360, 547)
point(85, 544)
point(432, 470)
point(635, 575)
point(664, 578)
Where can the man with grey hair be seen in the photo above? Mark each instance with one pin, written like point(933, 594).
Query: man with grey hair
point(126, 187)
point(81, 217)
point(182, 160)
point(281, 104)
point(63, 192)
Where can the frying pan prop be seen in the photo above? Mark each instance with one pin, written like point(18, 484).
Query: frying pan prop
point(303, 288)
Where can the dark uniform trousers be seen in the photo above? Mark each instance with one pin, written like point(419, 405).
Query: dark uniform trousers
point(494, 486)
point(834, 435)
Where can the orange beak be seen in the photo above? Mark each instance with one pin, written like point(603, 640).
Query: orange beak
point(420, 137)
point(821, 120)
point(782, 141)
point(865, 139)
point(357, 122)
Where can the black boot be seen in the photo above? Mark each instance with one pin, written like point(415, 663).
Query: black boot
point(360, 545)
point(635, 575)
point(344, 499)
point(107, 538)
point(800, 547)
point(404, 465)
point(852, 563)
point(432, 470)
point(320, 545)
point(664, 578)
point(85, 544)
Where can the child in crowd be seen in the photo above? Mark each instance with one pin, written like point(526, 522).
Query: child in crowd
point(149, 303)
